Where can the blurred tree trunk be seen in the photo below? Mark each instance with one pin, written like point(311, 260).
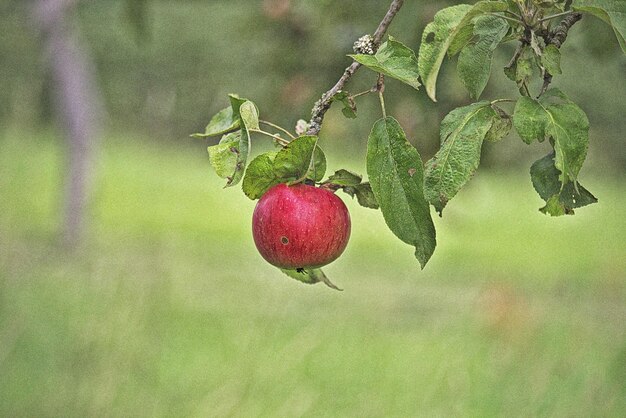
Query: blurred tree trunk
point(77, 103)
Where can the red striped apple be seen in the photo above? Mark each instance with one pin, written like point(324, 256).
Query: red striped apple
point(300, 226)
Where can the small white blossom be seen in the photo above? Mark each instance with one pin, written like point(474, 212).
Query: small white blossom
point(302, 126)
point(364, 45)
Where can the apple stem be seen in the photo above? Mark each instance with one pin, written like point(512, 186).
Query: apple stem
point(380, 88)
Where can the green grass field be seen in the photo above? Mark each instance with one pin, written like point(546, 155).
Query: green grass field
point(168, 310)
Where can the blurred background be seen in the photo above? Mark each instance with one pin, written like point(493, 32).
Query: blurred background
point(129, 282)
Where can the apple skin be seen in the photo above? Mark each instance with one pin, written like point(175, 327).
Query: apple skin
point(300, 226)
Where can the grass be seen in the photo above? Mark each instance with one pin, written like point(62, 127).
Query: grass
point(167, 310)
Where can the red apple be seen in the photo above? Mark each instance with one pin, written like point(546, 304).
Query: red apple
point(300, 226)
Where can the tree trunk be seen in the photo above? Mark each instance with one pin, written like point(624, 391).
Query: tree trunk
point(77, 104)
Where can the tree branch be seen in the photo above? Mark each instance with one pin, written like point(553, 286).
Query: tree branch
point(322, 105)
point(557, 37)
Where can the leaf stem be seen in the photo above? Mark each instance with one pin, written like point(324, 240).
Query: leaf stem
point(281, 141)
point(503, 101)
point(556, 15)
point(519, 22)
point(363, 93)
point(380, 88)
point(513, 14)
point(264, 122)
point(382, 104)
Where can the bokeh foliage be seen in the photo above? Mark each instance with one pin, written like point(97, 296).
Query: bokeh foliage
point(168, 310)
point(282, 55)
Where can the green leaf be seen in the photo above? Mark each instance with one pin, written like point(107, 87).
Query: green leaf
point(297, 161)
point(364, 195)
point(395, 170)
point(474, 66)
point(462, 133)
point(525, 66)
point(260, 176)
point(235, 104)
point(560, 199)
point(530, 120)
point(554, 116)
point(612, 12)
point(441, 33)
point(223, 156)
point(226, 120)
point(462, 38)
point(310, 276)
point(395, 60)
point(249, 116)
point(344, 178)
point(551, 59)
point(351, 184)
point(221, 123)
point(244, 115)
point(349, 106)
point(501, 126)
point(318, 165)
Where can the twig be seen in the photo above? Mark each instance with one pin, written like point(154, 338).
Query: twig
point(322, 105)
point(557, 37)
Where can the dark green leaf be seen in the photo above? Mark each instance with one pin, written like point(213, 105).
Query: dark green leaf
point(560, 199)
point(555, 116)
point(501, 126)
point(235, 104)
point(310, 276)
point(364, 195)
point(474, 66)
point(396, 175)
point(294, 162)
point(344, 178)
point(395, 60)
point(551, 59)
point(462, 133)
point(349, 106)
point(441, 33)
point(260, 176)
point(612, 12)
